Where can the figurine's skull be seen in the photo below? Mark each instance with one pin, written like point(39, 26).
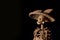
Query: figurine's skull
point(40, 19)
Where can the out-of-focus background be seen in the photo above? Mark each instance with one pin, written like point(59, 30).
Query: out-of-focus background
point(24, 26)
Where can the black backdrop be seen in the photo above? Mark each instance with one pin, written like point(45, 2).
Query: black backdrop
point(25, 25)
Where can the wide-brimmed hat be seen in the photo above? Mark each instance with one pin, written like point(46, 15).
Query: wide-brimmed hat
point(35, 14)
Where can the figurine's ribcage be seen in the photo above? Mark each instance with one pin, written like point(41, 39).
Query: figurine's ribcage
point(42, 34)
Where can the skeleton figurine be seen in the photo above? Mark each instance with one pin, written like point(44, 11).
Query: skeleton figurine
point(41, 17)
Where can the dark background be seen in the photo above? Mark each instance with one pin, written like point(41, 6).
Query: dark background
point(25, 25)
